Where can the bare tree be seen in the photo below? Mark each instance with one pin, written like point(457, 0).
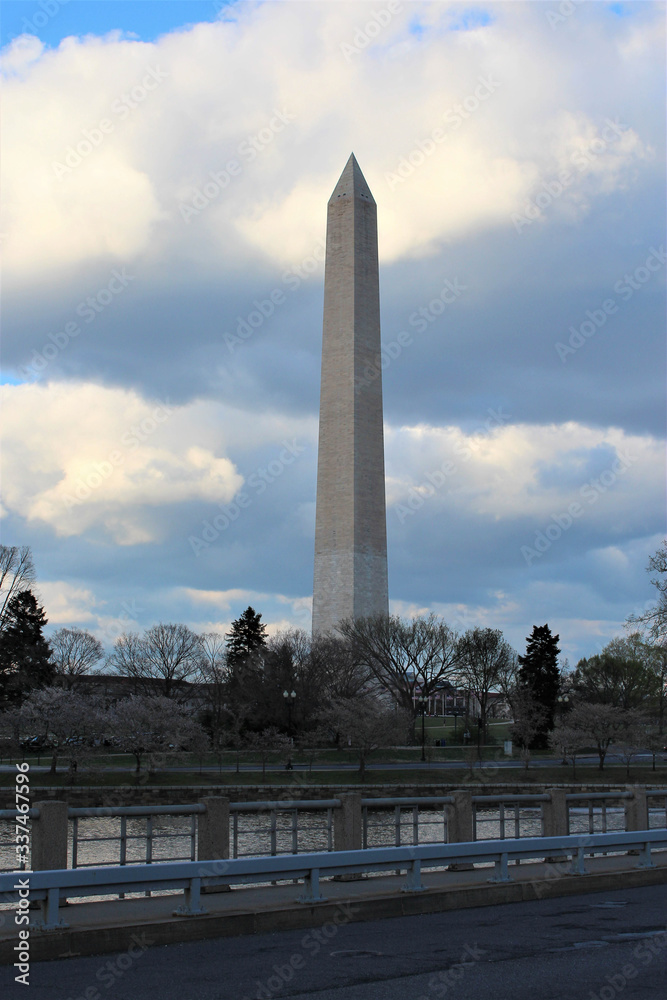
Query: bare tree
point(569, 741)
point(170, 655)
point(149, 725)
point(164, 657)
point(485, 657)
point(631, 738)
point(598, 725)
point(213, 673)
point(74, 652)
point(654, 620)
point(404, 656)
point(343, 673)
point(17, 573)
point(68, 721)
point(366, 725)
point(654, 741)
point(268, 745)
point(126, 658)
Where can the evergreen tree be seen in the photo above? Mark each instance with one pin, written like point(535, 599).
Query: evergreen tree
point(24, 652)
point(539, 675)
point(246, 635)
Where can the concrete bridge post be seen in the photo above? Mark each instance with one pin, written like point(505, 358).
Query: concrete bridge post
point(49, 837)
point(459, 824)
point(213, 838)
point(213, 829)
point(636, 809)
point(555, 814)
point(347, 821)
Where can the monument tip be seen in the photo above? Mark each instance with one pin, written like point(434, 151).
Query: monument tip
point(352, 183)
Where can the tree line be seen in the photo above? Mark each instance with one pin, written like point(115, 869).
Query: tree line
point(363, 685)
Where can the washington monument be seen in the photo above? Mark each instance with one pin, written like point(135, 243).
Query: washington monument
point(350, 527)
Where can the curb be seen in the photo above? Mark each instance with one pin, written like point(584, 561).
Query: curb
point(79, 942)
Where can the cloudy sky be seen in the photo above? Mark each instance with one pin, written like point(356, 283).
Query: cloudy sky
point(166, 169)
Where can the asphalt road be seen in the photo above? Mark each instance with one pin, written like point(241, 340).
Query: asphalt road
point(595, 946)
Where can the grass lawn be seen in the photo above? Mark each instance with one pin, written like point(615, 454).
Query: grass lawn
point(488, 773)
point(437, 728)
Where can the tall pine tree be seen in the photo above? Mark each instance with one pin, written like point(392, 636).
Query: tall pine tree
point(24, 652)
point(539, 675)
point(246, 635)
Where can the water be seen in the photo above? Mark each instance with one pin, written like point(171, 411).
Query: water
point(99, 844)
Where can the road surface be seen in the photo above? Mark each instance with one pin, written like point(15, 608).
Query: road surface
point(594, 946)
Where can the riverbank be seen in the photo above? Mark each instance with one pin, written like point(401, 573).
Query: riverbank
point(157, 794)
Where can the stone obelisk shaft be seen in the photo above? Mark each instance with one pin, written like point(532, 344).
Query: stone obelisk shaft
point(350, 530)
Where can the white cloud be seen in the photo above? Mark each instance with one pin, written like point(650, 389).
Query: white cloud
point(138, 127)
point(80, 455)
point(66, 603)
point(519, 470)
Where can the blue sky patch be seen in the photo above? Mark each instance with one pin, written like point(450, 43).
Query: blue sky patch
point(53, 20)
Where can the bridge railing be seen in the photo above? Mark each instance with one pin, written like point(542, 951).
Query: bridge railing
point(49, 887)
point(64, 836)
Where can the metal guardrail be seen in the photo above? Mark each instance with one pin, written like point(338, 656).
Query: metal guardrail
point(292, 806)
point(516, 802)
point(401, 805)
point(236, 809)
point(590, 798)
point(403, 827)
point(48, 887)
point(660, 793)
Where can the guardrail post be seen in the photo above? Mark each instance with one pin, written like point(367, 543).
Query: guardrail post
point(49, 837)
point(311, 889)
point(501, 871)
point(347, 823)
point(213, 835)
point(192, 906)
point(413, 880)
point(636, 809)
point(459, 825)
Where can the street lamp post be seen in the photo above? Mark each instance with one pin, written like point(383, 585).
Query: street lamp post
point(456, 719)
point(563, 702)
point(422, 704)
point(290, 698)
